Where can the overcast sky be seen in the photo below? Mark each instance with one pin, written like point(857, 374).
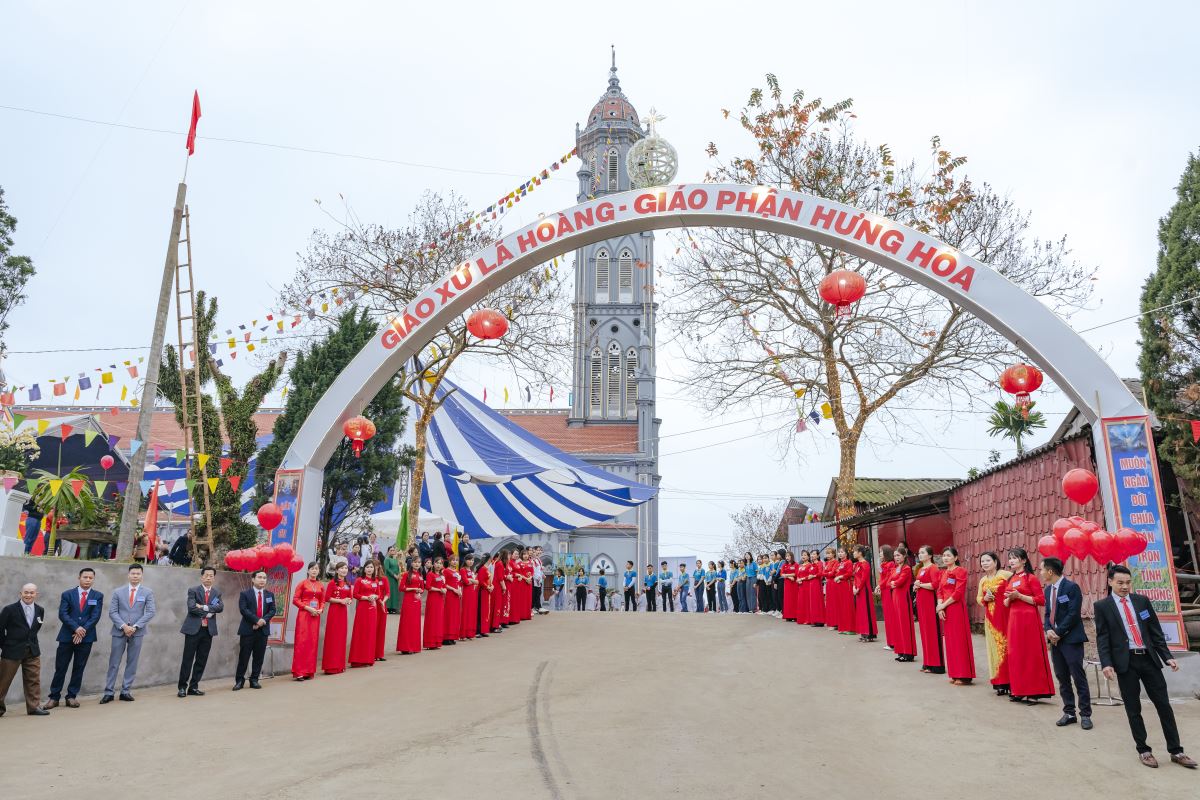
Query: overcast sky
point(1083, 113)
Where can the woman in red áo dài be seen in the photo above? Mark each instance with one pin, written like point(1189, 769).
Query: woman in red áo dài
point(832, 608)
point(843, 592)
point(435, 603)
point(787, 574)
point(500, 592)
point(816, 591)
point(929, 577)
point(1029, 676)
point(309, 599)
point(470, 598)
point(956, 623)
point(484, 574)
point(338, 596)
point(452, 613)
point(408, 635)
point(362, 637)
point(381, 613)
point(864, 598)
point(900, 583)
point(884, 592)
point(803, 570)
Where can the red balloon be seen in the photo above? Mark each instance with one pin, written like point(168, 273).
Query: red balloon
point(239, 560)
point(487, 323)
point(1061, 526)
point(1076, 541)
point(264, 557)
point(296, 564)
point(841, 288)
point(284, 553)
point(1080, 485)
point(1088, 527)
point(269, 517)
point(106, 461)
point(231, 559)
point(1103, 546)
point(1048, 546)
point(1130, 542)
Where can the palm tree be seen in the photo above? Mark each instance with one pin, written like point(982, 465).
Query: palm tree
point(1008, 422)
point(59, 500)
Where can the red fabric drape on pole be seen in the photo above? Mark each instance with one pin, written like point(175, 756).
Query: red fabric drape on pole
point(191, 137)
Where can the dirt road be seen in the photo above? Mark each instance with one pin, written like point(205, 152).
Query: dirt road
point(593, 706)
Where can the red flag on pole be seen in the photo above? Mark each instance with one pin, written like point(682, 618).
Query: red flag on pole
point(1196, 430)
point(151, 526)
point(191, 140)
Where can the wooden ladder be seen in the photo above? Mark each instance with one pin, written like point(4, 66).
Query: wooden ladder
point(190, 399)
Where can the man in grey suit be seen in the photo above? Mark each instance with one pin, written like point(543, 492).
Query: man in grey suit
point(199, 627)
point(131, 610)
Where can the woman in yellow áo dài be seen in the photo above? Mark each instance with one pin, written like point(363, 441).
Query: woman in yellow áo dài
point(995, 619)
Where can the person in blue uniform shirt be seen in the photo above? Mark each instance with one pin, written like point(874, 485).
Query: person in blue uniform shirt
point(581, 589)
point(722, 575)
point(666, 585)
point(698, 586)
point(650, 583)
point(751, 583)
point(630, 577)
point(560, 589)
point(684, 589)
point(602, 590)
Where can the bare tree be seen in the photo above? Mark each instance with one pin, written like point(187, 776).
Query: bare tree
point(754, 529)
point(759, 332)
point(384, 269)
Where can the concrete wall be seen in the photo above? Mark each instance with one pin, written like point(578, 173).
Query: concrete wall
point(162, 650)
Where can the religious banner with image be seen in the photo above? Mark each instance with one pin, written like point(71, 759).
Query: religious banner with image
point(1138, 500)
point(287, 500)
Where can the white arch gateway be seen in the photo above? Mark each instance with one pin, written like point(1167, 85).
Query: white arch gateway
point(1047, 340)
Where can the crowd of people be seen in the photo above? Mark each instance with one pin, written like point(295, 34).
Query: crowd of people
point(444, 594)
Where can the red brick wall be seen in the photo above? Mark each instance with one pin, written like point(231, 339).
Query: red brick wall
point(1016, 506)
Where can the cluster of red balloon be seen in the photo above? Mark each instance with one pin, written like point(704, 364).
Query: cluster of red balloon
point(1075, 536)
point(264, 557)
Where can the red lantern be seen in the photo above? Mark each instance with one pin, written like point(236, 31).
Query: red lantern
point(487, 323)
point(1048, 546)
point(1020, 380)
point(358, 430)
point(1129, 543)
point(1080, 485)
point(1076, 541)
point(841, 288)
point(106, 461)
point(269, 517)
point(1103, 544)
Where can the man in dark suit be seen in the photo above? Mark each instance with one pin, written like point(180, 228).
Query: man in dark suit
point(79, 609)
point(19, 626)
point(1132, 651)
point(199, 627)
point(257, 606)
point(1063, 622)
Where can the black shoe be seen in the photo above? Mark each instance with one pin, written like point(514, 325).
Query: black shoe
point(1086, 723)
point(195, 692)
point(38, 712)
point(237, 685)
point(255, 684)
point(1065, 720)
point(127, 697)
point(181, 693)
point(108, 698)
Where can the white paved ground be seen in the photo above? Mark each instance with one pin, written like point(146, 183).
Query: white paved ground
point(593, 706)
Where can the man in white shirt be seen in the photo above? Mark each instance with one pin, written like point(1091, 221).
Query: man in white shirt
point(256, 606)
point(130, 609)
point(19, 626)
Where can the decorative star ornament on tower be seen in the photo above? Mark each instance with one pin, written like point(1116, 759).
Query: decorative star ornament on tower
point(652, 161)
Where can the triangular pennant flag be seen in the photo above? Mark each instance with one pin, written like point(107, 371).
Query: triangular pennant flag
point(225, 462)
point(203, 459)
point(42, 424)
point(551, 394)
point(801, 427)
point(190, 485)
point(100, 487)
point(505, 395)
point(17, 420)
point(124, 392)
point(145, 486)
point(212, 484)
point(9, 482)
point(112, 440)
point(134, 446)
point(66, 431)
point(88, 436)
point(55, 485)
point(121, 486)
point(77, 486)
point(180, 456)
point(235, 481)
point(157, 450)
point(32, 484)
point(815, 417)
point(170, 484)
point(114, 411)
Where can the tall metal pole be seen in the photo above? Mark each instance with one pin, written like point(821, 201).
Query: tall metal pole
point(137, 461)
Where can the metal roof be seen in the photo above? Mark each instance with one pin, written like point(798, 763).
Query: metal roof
point(885, 491)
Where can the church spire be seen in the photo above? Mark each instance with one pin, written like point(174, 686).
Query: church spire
point(613, 83)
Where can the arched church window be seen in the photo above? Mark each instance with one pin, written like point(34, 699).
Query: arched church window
point(596, 367)
point(631, 387)
point(613, 169)
point(613, 374)
point(625, 276)
point(602, 267)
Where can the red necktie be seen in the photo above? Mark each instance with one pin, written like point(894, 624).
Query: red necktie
point(260, 605)
point(1133, 626)
point(132, 597)
point(82, 599)
point(204, 621)
point(1053, 602)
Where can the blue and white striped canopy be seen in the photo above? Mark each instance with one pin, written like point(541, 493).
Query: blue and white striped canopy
point(489, 477)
